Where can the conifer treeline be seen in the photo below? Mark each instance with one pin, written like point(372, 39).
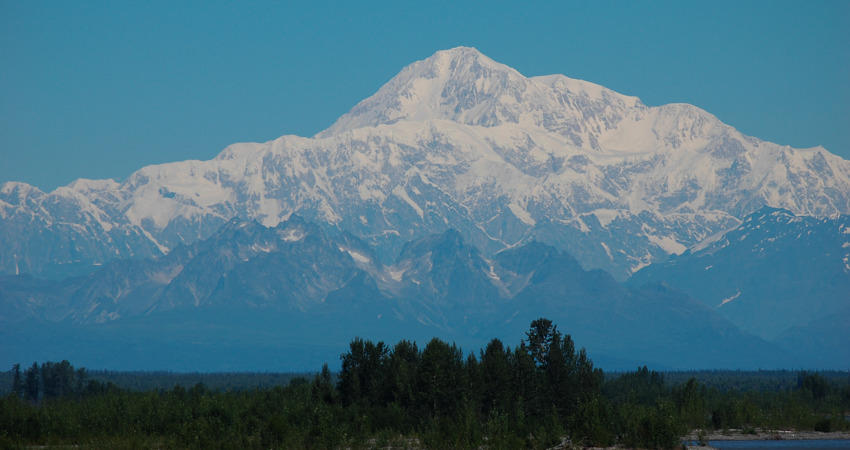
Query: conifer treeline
point(540, 388)
point(532, 395)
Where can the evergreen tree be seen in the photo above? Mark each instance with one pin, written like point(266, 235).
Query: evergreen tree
point(525, 383)
point(17, 381)
point(495, 377)
point(362, 379)
point(402, 374)
point(690, 402)
point(472, 388)
point(440, 378)
point(540, 339)
point(31, 383)
point(80, 381)
point(506, 399)
point(57, 379)
point(322, 388)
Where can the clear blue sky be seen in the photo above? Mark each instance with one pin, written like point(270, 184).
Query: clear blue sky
point(98, 89)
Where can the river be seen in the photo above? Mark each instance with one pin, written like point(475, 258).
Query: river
point(813, 444)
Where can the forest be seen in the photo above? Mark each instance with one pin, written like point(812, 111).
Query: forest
point(538, 394)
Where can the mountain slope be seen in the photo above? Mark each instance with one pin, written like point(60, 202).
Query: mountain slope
point(655, 322)
point(295, 286)
point(454, 141)
point(774, 272)
point(820, 343)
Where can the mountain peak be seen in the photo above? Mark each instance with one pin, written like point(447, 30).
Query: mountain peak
point(459, 60)
point(16, 192)
point(459, 84)
point(459, 52)
point(466, 87)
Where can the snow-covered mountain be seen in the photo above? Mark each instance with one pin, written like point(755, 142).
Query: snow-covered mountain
point(454, 141)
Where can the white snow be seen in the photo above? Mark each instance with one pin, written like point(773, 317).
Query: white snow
point(639, 266)
point(402, 194)
point(608, 251)
point(396, 274)
point(148, 235)
point(259, 248)
point(667, 243)
point(522, 214)
point(357, 256)
point(605, 216)
point(291, 234)
point(727, 300)
point(582, 226)
point(492, 272)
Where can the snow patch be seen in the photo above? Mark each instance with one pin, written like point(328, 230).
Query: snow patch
point(357, 256)
point(582, 226)
point(291, 235)
point(262, 248)
point(605, 216)
point(607, 250)
point(522, 214)
point(396, 274)
point(402, 194)
point(639, 266)
point(668, 244)
point(148, 235)
point(727, 300)
point(492, 274)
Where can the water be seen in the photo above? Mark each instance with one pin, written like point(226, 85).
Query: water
point(814, 444)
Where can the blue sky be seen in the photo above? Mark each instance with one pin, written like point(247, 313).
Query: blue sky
point(98, 89)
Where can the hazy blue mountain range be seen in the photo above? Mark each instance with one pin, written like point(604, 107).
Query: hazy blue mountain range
point(295, 284)
point(461, 200)
point(776, 275)
point(454, 141)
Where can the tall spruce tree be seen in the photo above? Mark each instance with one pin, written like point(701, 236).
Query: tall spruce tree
point(17, 381)
point(31, 383)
